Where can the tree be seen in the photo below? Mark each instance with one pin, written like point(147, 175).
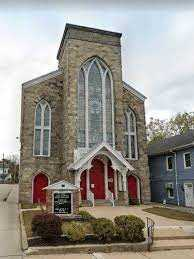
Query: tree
point(160, 129)
point(13, 167)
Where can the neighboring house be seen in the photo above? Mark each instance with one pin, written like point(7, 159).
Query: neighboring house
point(171, 164)
point(83, 124)
point(4, 170)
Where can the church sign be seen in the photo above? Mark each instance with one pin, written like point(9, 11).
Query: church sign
point(62, 203)
point(62, 198)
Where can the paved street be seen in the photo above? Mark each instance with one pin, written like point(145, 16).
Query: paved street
point(9, 223)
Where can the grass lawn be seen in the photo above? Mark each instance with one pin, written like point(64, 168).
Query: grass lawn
point(170, 213)
point(28, 215)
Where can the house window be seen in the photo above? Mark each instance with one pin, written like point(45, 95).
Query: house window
point(169, 163)
point(187, 160)
point(42, 129)
point(130, 138)
point(95, 113)
point(170, 190)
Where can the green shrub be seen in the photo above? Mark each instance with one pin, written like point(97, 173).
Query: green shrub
point(103, 229)
point(75, 232)
point(86, 216)
point(46, 225)
point(129, 228)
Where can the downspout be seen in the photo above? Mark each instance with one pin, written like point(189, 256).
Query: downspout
point(176, 178)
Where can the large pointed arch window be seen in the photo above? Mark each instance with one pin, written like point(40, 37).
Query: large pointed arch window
point(42, 129)
point(130, 137)
point(95, 114)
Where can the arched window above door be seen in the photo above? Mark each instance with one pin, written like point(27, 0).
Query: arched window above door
point(95, 113)
point(42, 129)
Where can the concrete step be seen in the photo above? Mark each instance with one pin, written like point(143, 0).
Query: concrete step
point(177, 244)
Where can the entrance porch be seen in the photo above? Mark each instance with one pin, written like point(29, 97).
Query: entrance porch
point(103, 175)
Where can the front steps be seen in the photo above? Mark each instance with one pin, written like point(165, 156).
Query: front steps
point(96, 203)
point(173, 238)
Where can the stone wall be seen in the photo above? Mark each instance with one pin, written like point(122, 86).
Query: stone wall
point(52, 92)
point(61, 94)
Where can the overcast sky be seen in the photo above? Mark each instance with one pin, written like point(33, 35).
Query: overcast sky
point(157, 54)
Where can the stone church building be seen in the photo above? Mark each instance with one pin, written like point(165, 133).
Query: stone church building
point(83, 124)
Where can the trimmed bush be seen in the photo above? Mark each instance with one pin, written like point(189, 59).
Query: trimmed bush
point(129, 228)
point(103, 229)
point(86, 216)
point(46, 225)
point(75, 232)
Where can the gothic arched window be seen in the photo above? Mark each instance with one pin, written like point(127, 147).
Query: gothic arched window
point(42, 129)
point(95, 114)
point(130, 137)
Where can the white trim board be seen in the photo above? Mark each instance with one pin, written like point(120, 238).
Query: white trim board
point(42, 78)
point(134, 91)
point(79, 163)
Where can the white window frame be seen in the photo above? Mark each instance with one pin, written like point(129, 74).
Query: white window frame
point(103, 74)
point(166, 185)
point(167, 165)
point(42, 128)
point(128, 133)
point(187, 167)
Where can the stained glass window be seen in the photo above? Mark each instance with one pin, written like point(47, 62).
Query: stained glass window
point(42, 129)
point(95, 102)
point(130, 137)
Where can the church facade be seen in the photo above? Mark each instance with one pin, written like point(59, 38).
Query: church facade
point(83, 124)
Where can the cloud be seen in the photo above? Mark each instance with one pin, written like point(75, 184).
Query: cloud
point(157, 54)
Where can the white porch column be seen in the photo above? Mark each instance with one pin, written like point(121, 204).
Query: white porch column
point(115, 184)
point(106, 179)
point(87, 182)
point(124, 177)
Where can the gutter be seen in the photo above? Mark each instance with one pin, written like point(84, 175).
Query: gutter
point(176, 178)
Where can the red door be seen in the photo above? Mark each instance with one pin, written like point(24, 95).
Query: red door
point(39, 195)
point(111, 179)
point(83, 185)
point(97, 179)
point(132, 189)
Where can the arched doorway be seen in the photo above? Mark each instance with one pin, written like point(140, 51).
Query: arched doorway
point(97, 179)
point(40, 181)
point(83, 185)
point(132, 189)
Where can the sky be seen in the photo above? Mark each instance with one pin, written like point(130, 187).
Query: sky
point(157, 52)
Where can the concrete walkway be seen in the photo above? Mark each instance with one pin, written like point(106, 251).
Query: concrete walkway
point(175, 254)
point(111, 212)
point(9, 223)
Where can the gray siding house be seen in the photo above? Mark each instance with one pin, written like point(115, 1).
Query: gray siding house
point(171, 164)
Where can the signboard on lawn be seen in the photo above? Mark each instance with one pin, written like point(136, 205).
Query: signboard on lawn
point(62, 202)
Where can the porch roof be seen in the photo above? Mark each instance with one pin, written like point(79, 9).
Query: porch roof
point(93, 152)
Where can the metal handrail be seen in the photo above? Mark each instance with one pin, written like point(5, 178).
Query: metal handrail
point(111, 198)
point(150, 232)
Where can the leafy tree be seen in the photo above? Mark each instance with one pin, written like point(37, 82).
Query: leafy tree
point(160, 129)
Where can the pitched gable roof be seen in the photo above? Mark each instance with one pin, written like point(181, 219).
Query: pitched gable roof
point(61, 185)
point(79, 163)
point(134, 91)
point(172, 143)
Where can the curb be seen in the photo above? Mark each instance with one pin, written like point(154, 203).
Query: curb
point(23, 236)
point(88, 249)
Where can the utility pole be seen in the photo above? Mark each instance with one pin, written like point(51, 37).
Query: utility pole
point(3, 164)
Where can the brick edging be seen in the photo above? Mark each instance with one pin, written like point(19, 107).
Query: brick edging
point(23, 235)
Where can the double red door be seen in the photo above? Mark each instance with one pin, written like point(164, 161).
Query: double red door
point(40, 182)
point(97, 185)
